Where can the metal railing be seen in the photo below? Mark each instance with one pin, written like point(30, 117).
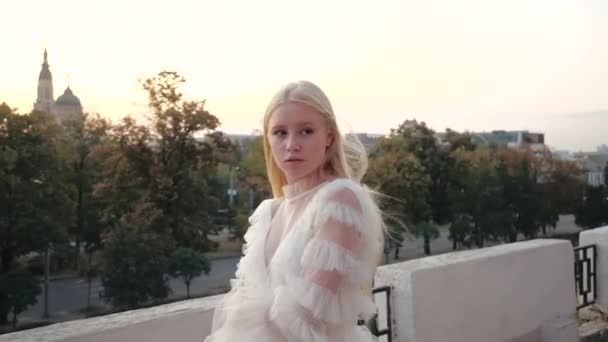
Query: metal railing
point(585, 268)
point(372, 324)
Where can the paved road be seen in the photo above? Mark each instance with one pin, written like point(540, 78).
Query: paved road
point(69, 295)
point(415, 248)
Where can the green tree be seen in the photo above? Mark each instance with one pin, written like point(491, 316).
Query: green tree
point(21, 290)
point(567, 188)
point(134, 262)
point(188, 264)
point(428, 231)
point(87, 133)
point(593, 209)
point(606, 174)
point(402, 179)
point(460, 231)
point(479, 195)
point(422, 142)
point(89, 267)
point(183, 165)
point(252, 175)
point(36, 201)
point(159, 180)
point(527, 200)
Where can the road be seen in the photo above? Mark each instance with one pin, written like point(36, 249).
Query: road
point(67, 296)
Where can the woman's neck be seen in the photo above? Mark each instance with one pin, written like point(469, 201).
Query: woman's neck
point(303, 184)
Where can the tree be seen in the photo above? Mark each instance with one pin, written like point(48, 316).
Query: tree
point(428, 231)
point(134, 262)
point(159, 181)
point(402, 180)
point(460, 231)
point(253, 171)
point(606, 174)
point(21, 290)
point(421, 141)
point(478, 196)
point(188, 264)
point(89, 267)
point(592, 212)
point(87, 134)
point(183, 165)
point(567, 188)
point(36, 201)
point(527, 200)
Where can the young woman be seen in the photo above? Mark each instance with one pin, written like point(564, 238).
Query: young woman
point(312, 250)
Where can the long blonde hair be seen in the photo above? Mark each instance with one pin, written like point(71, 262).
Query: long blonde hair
point(346, 156)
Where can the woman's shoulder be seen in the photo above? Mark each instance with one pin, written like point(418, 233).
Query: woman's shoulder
point(263, 209)
point(349, 202)
point(344, 188)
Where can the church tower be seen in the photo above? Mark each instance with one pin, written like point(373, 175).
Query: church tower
point(44, 101)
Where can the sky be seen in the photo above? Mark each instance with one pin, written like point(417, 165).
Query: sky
point(474, 65)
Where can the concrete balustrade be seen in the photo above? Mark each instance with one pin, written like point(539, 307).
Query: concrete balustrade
point(186, 321)
point(515, 292)
point(520, 292)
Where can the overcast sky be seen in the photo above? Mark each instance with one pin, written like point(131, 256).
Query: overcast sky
point(480, 65)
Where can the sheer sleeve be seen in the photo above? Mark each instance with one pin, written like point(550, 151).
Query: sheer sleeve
point(328, 291)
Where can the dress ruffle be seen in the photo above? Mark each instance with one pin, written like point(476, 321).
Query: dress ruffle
point(276, 303)
point(249, 269)
point(341, 213)
point(286, 314)
point(327, 255)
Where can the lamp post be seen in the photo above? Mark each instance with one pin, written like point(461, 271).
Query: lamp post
point(47, 268)
point(47, 271)
point(232, 191)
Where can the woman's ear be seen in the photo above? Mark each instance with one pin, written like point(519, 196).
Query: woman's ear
point(330, 140)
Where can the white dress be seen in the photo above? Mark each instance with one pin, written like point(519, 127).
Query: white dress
point(307, 268)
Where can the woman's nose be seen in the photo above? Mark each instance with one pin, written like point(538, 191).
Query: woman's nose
point(292, 144)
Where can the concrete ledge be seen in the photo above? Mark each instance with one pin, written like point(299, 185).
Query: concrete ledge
point(183, 321)
point(496, 294)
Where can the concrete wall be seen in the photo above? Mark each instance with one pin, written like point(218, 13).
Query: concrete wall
point(515, 292)
point(520, 292)
point(599, 237)
point(186, 321)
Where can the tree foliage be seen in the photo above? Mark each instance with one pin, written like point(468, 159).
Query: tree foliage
point(21, 290)
point(134, 262)
point(188, 264)
point(159, 181)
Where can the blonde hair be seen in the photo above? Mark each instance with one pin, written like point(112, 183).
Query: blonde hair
point(346, 156)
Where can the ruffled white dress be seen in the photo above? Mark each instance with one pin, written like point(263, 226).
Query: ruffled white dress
point(307, 268)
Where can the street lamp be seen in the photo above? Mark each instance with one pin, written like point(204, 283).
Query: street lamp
point(47, 267)
point(232, 191)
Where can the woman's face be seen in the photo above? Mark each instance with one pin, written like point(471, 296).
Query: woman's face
point(298, 138)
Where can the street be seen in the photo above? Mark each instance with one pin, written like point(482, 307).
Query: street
point(69, 295)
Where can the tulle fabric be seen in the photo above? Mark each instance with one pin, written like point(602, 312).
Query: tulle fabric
point(317, 284)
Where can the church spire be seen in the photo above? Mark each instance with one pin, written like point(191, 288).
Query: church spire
point(45, 73)
point(45, 100)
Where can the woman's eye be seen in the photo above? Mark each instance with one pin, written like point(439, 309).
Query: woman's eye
point(307, 131)
point(279, 132)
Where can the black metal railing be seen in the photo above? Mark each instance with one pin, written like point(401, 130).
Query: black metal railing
point(372, 324)
point(585, 267)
